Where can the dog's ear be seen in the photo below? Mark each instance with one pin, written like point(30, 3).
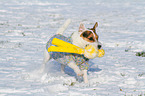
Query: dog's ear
point(96, 25)
point(81, 27)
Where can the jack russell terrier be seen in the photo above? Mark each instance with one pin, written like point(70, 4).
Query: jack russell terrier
point(78, 62)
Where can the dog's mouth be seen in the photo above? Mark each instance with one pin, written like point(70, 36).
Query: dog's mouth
point(89, 36)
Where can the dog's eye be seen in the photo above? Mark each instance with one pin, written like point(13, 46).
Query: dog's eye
point(91, 38)
point(85, 35)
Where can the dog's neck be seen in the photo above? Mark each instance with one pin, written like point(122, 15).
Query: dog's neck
point(77, 40)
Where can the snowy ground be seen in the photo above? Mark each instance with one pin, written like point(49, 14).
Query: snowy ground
point(26, 25)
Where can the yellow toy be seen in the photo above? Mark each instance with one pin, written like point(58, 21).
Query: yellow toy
point(89, 52)
point(62, 46)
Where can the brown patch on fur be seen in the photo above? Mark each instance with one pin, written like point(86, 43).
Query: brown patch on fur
point(89, 36)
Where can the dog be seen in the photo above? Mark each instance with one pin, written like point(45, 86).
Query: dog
point(79, 63)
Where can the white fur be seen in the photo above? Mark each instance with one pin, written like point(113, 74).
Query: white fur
point(63, 27)
point(45, 60)
point(85, 76)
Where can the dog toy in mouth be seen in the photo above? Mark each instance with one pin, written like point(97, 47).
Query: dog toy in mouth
point(89, 52)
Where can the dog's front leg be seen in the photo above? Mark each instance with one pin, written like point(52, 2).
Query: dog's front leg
point(75, 68)
point(85, 76)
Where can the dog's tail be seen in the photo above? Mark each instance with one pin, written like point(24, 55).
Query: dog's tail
point(63, 27)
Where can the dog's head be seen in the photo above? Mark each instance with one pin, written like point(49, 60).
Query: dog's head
point(86, 37)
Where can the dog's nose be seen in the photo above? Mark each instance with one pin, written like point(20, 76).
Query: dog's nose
point(99, 46)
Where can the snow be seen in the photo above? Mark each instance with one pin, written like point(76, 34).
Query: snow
point(25, 27)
